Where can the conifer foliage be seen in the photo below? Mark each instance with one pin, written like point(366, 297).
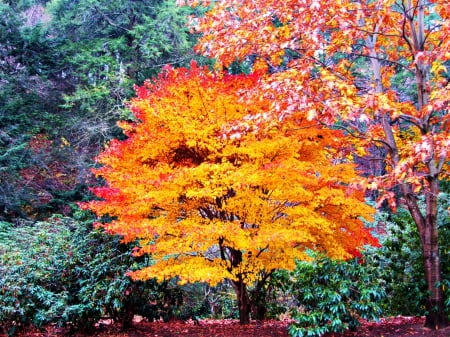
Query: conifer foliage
point(212, 198)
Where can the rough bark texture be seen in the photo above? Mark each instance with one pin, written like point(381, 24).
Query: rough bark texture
point(428, 231)
point(427, 224)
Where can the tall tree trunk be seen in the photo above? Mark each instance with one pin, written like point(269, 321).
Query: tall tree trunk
point(428, 232)
point(436, 317)
point(244, 304)
point(426, 222)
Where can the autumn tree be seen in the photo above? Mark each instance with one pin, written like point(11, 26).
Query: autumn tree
point(211, 198)
point(378, 69)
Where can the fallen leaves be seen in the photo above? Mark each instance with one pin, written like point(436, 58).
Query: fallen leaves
point(399, 326)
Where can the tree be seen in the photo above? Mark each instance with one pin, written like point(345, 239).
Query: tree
point(29, 104)
point(103, 48)
point(66, 68)
point(212, 200)
point(107, 46)
point(376, 68)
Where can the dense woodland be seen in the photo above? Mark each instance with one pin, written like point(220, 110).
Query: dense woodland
point(156, 162)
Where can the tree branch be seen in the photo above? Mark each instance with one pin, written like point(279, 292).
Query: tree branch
point(110, 21)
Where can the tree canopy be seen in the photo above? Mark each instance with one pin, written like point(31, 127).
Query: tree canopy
point(212, 200)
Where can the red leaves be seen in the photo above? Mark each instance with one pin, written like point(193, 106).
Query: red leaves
point(386, 327)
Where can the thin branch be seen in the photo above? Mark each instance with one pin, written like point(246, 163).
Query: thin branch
point(408, 41)
point(262, 250)
point(351, 133)
point(110, 21)
point(384, 60)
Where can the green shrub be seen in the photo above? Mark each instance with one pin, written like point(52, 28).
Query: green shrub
point(63, 271)
point(30, 260)
point(332, 296)
point(399, 261)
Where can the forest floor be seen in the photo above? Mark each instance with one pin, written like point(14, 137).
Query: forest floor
point(391, 327)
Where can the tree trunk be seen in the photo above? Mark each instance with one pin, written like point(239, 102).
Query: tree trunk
point(436, 317)
point(258, 297)
point(244, 304)
point(428, 232)
point(426, 222)
point(259, 310)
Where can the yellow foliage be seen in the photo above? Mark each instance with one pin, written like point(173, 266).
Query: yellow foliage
point(211, 195)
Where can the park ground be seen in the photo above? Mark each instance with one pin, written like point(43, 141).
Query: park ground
point(389, 327)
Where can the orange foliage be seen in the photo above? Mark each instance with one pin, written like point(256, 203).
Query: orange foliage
point(335, 60)
point(376, 68)
point(214, 190)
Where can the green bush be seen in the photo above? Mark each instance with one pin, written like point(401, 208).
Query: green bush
point(30, 260)
point(399, 261)
point(63, 271)
point(332, 296)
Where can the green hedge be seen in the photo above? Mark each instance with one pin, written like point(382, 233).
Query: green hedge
point(63, 271)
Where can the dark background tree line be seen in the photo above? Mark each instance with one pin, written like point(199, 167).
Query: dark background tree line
point(67, 68)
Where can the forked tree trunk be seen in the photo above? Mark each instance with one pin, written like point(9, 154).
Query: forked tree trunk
point(427, 222)
point(240, 287)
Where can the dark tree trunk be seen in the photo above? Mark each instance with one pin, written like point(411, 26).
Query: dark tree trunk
point(258, 298)
point(240, 287)
point(259, 311)
point(244, 303)
point(436, 317)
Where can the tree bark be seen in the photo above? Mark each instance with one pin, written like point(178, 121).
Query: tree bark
point(436, 317)
point(244, 304)
point(427, 222)
point(428, 232)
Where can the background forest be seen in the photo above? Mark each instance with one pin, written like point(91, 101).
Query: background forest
point(67, 70)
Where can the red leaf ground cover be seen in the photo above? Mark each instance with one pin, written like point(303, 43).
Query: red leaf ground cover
point(389, 327)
